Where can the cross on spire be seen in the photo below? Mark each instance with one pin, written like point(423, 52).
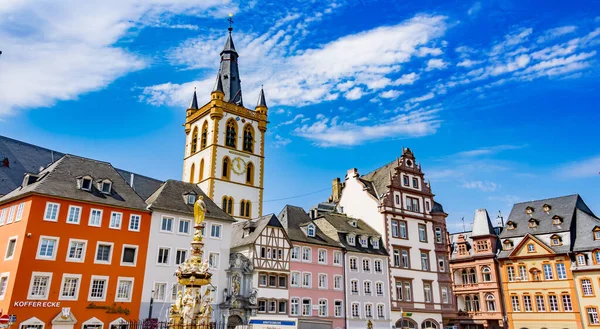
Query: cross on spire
point(230, 20)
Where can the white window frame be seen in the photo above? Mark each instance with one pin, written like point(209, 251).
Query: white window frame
point(4, 275)
point(62, 286)
point(2, 216)
point(370, 306)
point(19, 214)
point(137, 250)
point(130, 222)
point(341, 286)
point(90, 218)
point(176, 258)
point(33, 275)
point(218, 255)
point(110, 222)
point(298, 282)
point(324, 262)
point(162, 221)
point(83, 252)
point(350, 264)
point(352, 310)
point(319, 281)
point(16, 238)
point(382, 313)
point(379, 283)
point(309, 281)
point(370, 284)
point(220, 231)
point(168, 258)
point(309, 228)
point(98, 277)
point(39, 248)
point(11, 214)
point(368, 262)
point(112, 250)
point(296, 259)
point(309, 260)
point(71, 208)
point(340, 258)
point(298, 311)
point(326, 307)
point(155, 292)
point(341, 308)
point(179, 226)
point(48, 204)
point(127, 279)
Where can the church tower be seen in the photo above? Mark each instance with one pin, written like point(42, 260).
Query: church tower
point(225, 148)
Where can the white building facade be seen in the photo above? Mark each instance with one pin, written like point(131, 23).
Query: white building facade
point(397, 202)
point(171, 232)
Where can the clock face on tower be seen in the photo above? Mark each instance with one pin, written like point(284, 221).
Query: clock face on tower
point(239, 165)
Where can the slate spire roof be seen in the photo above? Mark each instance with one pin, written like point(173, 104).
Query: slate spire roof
point(261, 98)
point(482, 225)
point(229, 74)
point(218, 84)
point(194, 102)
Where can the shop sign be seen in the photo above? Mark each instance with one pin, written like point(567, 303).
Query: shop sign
point(36, 304)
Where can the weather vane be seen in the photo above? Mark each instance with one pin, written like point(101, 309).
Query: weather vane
point(230, 20)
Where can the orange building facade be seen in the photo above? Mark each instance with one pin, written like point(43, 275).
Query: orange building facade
point(72, 262)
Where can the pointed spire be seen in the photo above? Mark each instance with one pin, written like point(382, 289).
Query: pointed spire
point(230, 75)
point(229, 46)
point(218, 84)
point(194, 102)
point(261, 98)
point(482, 224)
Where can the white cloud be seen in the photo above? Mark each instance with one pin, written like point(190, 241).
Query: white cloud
point(280, 111)
point(391, 94)
point(488, 150)
point(58, 50)
point(329, 132)
point(511, 40)
point(436, 64)
point(426, 51)
point(291, 121)
point(468, 63)
point(475, 8)
point(556, 32)
point(484, 186)
point(423, 98)
point(406, 79)
point(365, 60)
point(585, 168)
point(280, 141)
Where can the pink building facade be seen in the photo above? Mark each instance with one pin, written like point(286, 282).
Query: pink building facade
point(316, 286)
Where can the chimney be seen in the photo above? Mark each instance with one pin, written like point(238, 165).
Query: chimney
point(131, 177)
point(336, 190)
point(352, 173)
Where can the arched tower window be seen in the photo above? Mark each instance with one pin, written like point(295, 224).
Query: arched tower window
point(192, 169)
point(204, 136)
point(201, 171)
point(226, 168)
point(194, 141)
point(490, 303)
point(245, 208)
point(231, 133)
point(227, 204)
point(248, 138)
point(250, 173)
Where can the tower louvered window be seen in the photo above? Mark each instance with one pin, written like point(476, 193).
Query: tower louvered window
point(204, 136)
point(248, 139)
point(245, 208)
point(231, 133)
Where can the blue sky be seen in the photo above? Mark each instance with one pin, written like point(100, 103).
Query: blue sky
point(497, 99)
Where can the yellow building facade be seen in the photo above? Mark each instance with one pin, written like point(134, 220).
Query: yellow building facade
point(548, 267)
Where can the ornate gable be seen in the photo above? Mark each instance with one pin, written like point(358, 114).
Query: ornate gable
point(531, 246)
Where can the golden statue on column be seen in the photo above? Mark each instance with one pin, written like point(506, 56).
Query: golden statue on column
point(191, 309)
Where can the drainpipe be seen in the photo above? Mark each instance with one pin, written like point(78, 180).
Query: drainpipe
point(151, 302)
point(344, 252)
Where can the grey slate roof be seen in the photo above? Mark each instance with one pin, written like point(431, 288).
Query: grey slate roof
point(338, 226)
point(194, 101)
point(584, 238)
point(482, 225)
point(229, 73)
point(170, 197)
point(562, 206)
point(380, 178)
point(60, 180)
point(239, 239)
point(22, 158)
point(28, 158)
point(294, 219)
point(261, 99)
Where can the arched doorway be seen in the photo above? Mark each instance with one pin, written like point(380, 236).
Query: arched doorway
point(406, 324)
point(233, 321)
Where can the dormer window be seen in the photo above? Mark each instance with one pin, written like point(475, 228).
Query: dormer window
point(511, 225)
point(310, 231)
point(191, 198)
point(364, 242)
point(533, 223)
point(353, 223)
point(547, 207)
point(106, 186)
point(596, 231)
point(508, 245)
point(581, 260)
point(556, 240)
point(557, 220)
point(351, 239)
point(375, 243)
point(529, 210)
point(85, 183)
